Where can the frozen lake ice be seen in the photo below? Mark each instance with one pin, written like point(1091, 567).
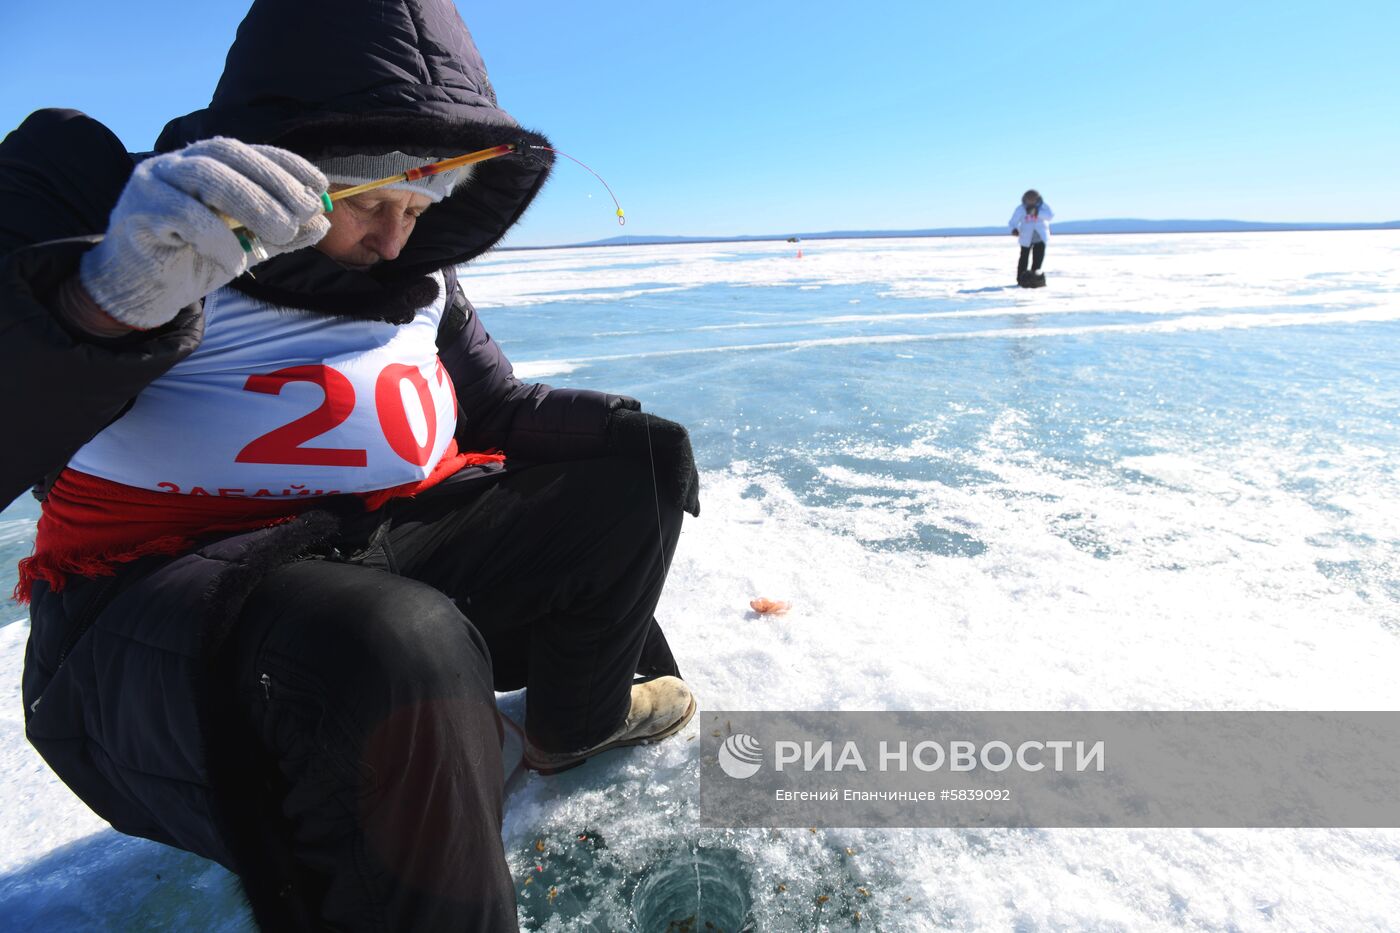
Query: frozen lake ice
point(1166, 481)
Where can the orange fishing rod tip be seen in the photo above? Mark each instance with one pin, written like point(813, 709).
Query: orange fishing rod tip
point(422, 171)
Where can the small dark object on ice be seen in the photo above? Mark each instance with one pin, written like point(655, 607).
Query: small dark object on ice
point(592, 838)
point(1031, 280)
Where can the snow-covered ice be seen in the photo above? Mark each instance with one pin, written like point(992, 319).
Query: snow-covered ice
point(1166, 481)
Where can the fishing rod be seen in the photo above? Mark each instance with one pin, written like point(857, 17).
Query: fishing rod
point(328, 198)
point(247, 238)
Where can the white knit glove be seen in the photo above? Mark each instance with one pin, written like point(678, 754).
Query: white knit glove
point(166, 245)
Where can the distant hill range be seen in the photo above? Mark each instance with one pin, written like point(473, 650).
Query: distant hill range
point(1060, 228)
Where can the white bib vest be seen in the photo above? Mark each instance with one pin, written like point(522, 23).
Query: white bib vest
point(279, 403)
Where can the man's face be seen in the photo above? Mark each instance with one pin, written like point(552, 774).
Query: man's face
point(371, 227)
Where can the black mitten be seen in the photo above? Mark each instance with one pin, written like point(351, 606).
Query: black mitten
point(667, 446)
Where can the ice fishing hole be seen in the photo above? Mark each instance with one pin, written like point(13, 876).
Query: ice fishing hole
point(703, 891)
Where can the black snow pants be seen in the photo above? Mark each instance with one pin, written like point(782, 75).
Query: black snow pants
point(1038, 248)
point(368, 677)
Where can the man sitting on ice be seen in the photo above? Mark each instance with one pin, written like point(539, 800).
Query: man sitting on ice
point(300, 517)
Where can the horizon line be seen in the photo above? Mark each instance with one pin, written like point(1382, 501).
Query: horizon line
point(1062, 228)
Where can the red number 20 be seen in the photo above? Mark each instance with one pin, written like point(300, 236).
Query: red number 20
point(284, 445)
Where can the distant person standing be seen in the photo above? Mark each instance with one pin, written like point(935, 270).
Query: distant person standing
point(1031, 222)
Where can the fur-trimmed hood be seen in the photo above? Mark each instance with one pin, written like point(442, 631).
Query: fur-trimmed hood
point(335, 77)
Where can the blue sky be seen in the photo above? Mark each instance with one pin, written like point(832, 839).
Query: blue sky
point(772, 117)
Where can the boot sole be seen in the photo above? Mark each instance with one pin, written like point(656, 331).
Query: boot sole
point(666, 733)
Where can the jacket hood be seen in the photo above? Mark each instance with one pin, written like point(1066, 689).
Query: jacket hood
point(341, 77)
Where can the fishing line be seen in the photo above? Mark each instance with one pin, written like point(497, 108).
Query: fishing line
point(651, 455)
point(656, 499)
point(621, 217)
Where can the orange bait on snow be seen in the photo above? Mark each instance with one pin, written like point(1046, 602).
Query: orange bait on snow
point(769, 607)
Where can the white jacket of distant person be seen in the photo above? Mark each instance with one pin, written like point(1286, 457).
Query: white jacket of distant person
point(1032, 227)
